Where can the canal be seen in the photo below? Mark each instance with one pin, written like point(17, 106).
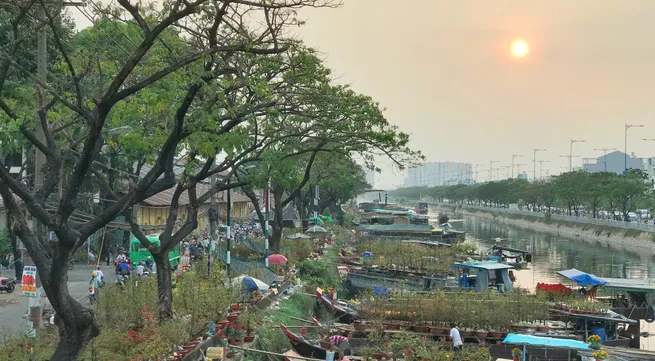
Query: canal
point(552, 253)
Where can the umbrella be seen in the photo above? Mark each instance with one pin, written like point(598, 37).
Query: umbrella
point(317, 229)
point(249, 283)
point(276, 259)
point(298, 236)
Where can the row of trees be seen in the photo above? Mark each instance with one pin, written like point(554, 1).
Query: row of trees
point(572, 191)
point(217, 86)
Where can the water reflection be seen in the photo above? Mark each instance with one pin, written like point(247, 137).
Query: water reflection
point(553, 253)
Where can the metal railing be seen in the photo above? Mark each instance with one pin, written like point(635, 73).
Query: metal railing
point(644, 227)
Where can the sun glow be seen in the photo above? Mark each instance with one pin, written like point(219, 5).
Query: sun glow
point(519, 48)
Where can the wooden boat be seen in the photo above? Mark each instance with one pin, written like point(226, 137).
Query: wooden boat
point(303, 346)
point(343, 313)
point(290, 355)
point(349, 260)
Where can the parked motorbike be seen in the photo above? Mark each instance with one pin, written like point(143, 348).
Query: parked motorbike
point(8, 284)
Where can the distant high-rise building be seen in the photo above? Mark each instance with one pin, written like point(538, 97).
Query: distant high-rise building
point(434, 174)
point(614, 162)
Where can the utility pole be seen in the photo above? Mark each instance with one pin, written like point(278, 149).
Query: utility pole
point(267, 202)
point(213, 222)
point(541, 164)
point(628, 126)
point(491, 165)
point(34, 303)
point(228, 229)
point(534, 162)
point(573, 141)
point(605, 150)
point(513, 157)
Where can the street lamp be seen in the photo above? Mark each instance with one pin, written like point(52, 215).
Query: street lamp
point(605, 150)
point(651, 139)
point(514, 156)
point(625, 157)
point(541, 164)
point(518, 168)
point(507, 169)
point(534, 162)
point(570, 156)
point(476, 172)
point(491, 165)
point(573, 141)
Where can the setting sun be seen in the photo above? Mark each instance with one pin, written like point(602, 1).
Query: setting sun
point(519, 48)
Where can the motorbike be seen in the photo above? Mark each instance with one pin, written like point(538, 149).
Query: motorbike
point(92, 295)
point(8, 284)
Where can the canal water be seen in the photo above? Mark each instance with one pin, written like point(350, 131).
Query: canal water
point(552, 253)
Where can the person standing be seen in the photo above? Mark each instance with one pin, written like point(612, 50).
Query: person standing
point(140, 268)
point(457, 339)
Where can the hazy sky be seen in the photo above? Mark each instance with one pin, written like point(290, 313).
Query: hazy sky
point(445, 74)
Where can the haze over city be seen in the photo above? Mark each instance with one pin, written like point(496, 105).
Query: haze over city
point(446, 74)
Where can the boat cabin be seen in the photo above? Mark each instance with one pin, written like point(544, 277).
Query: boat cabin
point(518, 258)
point(483, 276)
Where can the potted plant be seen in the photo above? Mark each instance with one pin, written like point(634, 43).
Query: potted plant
point(360, 326)
point(599, 355)
point(236, 334)
point(594, 342)
point(516, 354)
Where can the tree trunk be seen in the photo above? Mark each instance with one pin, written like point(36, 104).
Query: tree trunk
point(76, 323)
point(18, 260)
point(164, 285)
point(278, 221)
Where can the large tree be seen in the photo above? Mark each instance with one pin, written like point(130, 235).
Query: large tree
point(212, 95)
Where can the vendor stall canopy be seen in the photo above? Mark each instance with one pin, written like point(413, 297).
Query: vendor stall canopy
point(581, 278)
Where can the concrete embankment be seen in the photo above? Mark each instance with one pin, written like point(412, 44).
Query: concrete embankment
point(632, 241)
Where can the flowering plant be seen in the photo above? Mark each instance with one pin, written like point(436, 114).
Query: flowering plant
point(236, 331)
point(517, 352)
point(600, 354)
point(594, 341)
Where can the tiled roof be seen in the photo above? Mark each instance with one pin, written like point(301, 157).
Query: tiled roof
point(164, 198)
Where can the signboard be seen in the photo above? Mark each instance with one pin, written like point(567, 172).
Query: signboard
point(29, 281)
point(215, 353)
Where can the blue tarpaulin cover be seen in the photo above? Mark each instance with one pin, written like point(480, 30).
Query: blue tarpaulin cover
point(581, 278)
point(544, 341)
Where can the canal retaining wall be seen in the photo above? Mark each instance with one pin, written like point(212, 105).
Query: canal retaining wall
point(630, 240)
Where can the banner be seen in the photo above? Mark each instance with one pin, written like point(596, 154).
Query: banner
point(29, 281)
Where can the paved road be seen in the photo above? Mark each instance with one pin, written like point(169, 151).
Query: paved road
point(14, 306)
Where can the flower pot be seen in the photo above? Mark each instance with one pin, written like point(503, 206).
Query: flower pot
point(249, 339)
point(391, 326)
point(379, 355)
point(436, 331)
point(543, 328)
point(495, 334)
point(466, 333)
point(235, 341)
point(359, 327)
point(421, 328)
point(325, 345)
point(515, 358)
point(233, 316)
point(481, 334)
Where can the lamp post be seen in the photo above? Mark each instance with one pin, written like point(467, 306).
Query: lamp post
point(570, 156)
point(513, 157)
point(625, 157)
point(518, 168)
point(605, 150)
point(476, 172)
point(491, 165)
point(507, 169)
point(573, 141)
point(541, 164)
point(534, 162)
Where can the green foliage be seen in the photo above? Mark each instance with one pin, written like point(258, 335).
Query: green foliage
point(5, 244)
point(317, 273)
point(574, 191)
